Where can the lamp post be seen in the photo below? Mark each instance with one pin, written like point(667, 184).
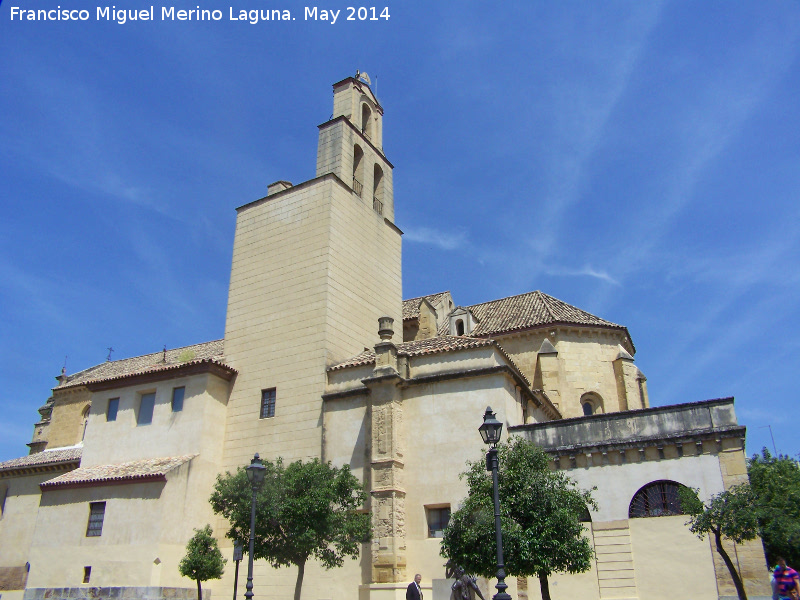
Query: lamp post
point(255, 474)
point(490, 432)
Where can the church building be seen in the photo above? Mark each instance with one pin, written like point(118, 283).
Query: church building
point(323, 358)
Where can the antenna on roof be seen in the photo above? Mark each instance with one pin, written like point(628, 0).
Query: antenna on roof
point(64, 368)
point(108, 358)
point(165, 353)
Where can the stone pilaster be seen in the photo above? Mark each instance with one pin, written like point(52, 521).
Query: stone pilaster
point(626, 373)
point(547, 376)
point(387, 462)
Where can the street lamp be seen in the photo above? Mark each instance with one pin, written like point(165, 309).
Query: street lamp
point(255, 474)
point(490, 432)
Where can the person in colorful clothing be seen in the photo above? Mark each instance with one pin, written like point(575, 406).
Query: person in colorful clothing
point(787, 580)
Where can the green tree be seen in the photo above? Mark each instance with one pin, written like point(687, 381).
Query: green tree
point(203, 560)
point(731, 515)
point(303, 510)
point(540, 515)
point(775, 481)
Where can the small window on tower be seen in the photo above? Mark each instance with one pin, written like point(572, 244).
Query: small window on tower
point(366, 118)
point(268, 403)
point(87, 574)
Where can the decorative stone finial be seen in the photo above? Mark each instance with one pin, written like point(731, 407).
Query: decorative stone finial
point(386, 328)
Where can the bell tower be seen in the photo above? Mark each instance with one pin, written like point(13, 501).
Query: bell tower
point(351, 145)
point(314, 266)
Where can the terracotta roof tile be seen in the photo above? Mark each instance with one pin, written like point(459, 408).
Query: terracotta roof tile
point(411, 306)
point(43, 459)
point(445, 343)
point(525, 311)
point(147, 363)
point(138, 469)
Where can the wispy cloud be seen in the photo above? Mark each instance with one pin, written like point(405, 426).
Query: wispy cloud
point(705, 129)
point(446, 240)
point(586, 271)
point(581, 122)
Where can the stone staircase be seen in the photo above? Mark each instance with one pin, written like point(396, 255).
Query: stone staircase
point(615, 575)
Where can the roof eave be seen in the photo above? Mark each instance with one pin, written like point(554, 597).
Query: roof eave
point(206, 365)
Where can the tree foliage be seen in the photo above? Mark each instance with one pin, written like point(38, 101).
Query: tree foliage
point(303, 510)
point(540, 515)
point(775, 481)
point(203, 559)
point(731, 514)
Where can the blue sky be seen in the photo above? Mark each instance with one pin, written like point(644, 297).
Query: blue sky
point(640, 160)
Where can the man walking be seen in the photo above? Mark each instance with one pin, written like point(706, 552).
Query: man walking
point(787, 580)
point(414, 592)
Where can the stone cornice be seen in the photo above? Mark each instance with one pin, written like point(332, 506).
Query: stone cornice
point(617, 332)
point(677, 425)
point(35, 469)
point(695, 438)
point(159, 477)
point(331, 176)
point(359, 133)
point(206, 366)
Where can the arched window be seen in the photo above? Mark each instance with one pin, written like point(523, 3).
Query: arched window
point(377, 190)
point(84, 422)
point(656, 499)
point(591, 404)
point(460, 327)
point(358, 170)
point(366, 120)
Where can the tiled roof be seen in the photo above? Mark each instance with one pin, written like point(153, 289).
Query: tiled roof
point(151, 468)
point(411, 306)
point(528, 310)
point(148, 363)
point(43, 459)
point(444, 343)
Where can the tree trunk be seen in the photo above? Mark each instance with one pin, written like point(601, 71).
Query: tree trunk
point(199, 591)
point(728, 563)
point(301, 569)
point(545, 587)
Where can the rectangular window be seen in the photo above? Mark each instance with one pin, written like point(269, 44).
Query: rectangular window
point(145, 416)
point(267, 403)
point(438, 518)
point(87, 573)
point(111, 410)
point(97, 512)
point(177, 399)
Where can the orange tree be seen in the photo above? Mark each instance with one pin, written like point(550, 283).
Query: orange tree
point(304, 511)
point(540, 515)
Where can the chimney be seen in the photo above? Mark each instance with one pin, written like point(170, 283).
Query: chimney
point(278, 186)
